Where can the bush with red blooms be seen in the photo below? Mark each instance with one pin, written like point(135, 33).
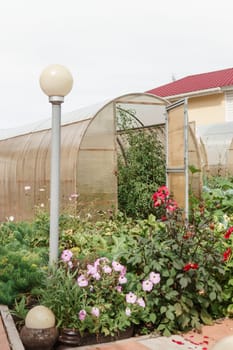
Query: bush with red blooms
point(163, 202)
point(191, 259)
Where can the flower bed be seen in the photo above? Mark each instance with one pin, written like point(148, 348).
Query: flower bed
point(161, 274)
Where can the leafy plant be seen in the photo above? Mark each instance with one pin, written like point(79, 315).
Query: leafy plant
point(95, 296)
point(19, 272)
point(189, 259)
point(141, 168)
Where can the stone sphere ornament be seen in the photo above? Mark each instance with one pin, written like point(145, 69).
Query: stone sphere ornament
point(39, 332)
point(225, 343)
point(40, 317)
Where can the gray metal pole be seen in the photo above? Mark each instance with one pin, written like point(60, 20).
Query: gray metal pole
point(55, 178)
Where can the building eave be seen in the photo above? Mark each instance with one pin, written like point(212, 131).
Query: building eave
point(198, 93)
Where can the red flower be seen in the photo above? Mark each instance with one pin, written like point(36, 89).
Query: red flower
point(171, 205)
point(163, 190)
point(158, 202)
point(227, 254)
point(228, 233)
point(190, 266)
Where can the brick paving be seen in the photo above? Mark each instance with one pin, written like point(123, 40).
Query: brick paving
point(175, 342)
point(126, 345)
point(4, 343)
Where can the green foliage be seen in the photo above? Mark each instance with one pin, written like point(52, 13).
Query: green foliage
point(196, 283)
point(19, 272)
point(185, 299)
point(141, 169)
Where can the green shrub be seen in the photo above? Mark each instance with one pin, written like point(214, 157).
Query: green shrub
point(141, 169)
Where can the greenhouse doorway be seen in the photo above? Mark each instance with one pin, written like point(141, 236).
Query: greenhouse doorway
point(183, 155)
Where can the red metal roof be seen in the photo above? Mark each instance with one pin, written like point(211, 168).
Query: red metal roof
point(191, 83)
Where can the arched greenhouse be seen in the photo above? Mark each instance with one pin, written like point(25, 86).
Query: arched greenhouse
point(88, 158)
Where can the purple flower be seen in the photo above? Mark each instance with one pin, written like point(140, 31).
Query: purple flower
point(117, 266)
point(66, 255)
point(131, 298)
point(82, 315)
point(122, 280)
point(95, 311)
point(82, 281)
point(127, 311)
point(141, 302)
point(154, 277)
point(147, 285)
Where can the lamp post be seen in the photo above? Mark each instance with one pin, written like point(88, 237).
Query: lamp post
point(56, 82)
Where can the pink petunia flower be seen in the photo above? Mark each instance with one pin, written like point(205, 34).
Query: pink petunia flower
point(147, 285)
point(117, 266)
point(82, 281)
point(141, 302)
point(91, 269)
point(82, 315)
point(123, 271)
point(122, 280)
point(107, 269)
point(119, 289)
point(96, 276)
point(95, 311)
point(66, 255)
point(154, 277)
point(131, 298)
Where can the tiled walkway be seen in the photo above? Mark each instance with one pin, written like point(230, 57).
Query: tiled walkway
point(144, 343)
point(4, 344)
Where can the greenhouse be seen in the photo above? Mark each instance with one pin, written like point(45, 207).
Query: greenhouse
point(88, 158)
point(218, 142)
point(90, 142)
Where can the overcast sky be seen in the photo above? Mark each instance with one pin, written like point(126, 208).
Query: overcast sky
point(111, 47)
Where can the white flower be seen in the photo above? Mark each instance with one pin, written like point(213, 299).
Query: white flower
point(127, 311)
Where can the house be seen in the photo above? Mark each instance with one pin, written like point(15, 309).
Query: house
point(210, 96)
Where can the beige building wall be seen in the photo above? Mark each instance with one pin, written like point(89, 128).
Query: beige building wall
point(206, 110)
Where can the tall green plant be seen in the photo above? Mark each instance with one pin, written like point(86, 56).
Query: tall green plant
point(141, 168)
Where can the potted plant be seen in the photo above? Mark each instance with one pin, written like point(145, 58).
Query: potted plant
point(95, 300)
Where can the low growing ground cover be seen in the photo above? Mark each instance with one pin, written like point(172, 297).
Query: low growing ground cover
point(159, 275)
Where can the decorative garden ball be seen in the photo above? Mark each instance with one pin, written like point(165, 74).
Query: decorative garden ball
point(40, 317)
point(39, 332)
point(225, 343)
